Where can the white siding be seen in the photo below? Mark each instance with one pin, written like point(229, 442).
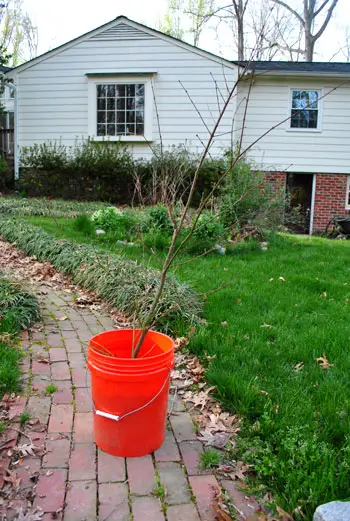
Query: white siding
point(326, 151)
point(53, 93)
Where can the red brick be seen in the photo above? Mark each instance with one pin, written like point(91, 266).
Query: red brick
point(50, 490)
point(83, 401)
point(245, 504)
point(60, 371)
point(183, 427)
point(25, 471)
point(61, 418)
point(80, 377)
point(113, 502)
point(63, 395)
point(147, 509)
point(57, 453)
point(83, 431)
point(191, 452)
point(40, 368)
point(110, 468)
point(182, 513)
point(39, 408)
point(168, 451)
point(73, 345)
point(82, 462)
point(81, 501)
point(39, 383)
point(77, 360)
point(17, 407)
point(141, 475)
point(54, 340)
point(58, 354)
point(205, 488)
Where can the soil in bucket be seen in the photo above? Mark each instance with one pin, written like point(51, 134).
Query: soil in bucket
point(135, 390)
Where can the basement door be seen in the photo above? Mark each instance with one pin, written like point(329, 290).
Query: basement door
point(299, 190)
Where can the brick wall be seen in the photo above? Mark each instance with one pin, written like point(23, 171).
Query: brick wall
point(330, 196)
point(277, 180)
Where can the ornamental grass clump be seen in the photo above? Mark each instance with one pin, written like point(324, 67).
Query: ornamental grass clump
point(124, 284)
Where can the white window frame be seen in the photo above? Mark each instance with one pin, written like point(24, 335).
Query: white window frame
point(347, 205)
point(320, 110)
point(114, 80)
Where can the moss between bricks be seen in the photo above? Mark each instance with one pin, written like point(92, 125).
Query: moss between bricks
point(124, 284)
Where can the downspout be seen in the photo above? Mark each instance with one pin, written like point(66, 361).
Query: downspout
point(314, 181)
point(15, 137)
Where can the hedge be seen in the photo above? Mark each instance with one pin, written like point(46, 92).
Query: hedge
point(123, 283)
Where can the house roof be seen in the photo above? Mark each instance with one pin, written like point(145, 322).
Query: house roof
point(132, 23)
point(3, 68)
point(328, 68)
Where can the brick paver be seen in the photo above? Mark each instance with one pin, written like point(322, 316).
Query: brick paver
point(71, 479)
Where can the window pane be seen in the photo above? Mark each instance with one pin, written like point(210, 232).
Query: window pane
point(110, 117)
point(130, 103)
point(110, 103)
point(130, 129)
point(304, 99)
point(111, 91)
point(111, 130)
point(304, 119)
point(121, 104)
point(130, 116)
point(101, 91)
point(130, 90)
point(120, 90)
point(121, 130)
point(139, 129)
point(101, 130)
point(101, 104)
point(121, 117)
point(313, 118)
point(139, 116)
point(140, 90)
point(101, 117)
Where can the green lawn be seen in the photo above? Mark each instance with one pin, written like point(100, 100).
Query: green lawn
point(284, 308)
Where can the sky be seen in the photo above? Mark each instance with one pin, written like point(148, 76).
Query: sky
point(59, 21)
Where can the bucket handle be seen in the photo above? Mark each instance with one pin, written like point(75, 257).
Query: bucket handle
point(118, 418)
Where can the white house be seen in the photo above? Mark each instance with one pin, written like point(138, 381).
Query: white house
point(124, 81)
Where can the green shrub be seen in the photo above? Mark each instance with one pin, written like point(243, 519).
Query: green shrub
point(156, 239)
point(209, 228)
point(109, 219)
point(247, 199)
point(84, 224)
point(124, 284)
point(159, 219)
point(88, 170)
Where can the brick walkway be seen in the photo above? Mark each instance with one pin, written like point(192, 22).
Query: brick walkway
point(71, 480)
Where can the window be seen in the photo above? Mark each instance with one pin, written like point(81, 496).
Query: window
point(120, 108)
point(305, 109)
point(347, 202)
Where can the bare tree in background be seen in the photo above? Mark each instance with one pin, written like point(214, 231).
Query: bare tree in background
point(17, 33)
point(200, 12)
point(172, 23)
point(311, 13)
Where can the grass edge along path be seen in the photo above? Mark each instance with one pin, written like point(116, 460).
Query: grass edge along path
point(18, 310)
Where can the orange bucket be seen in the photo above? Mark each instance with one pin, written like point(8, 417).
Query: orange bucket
point(130, 395)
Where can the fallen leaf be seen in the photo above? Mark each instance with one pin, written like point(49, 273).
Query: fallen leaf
point(221, 514)
point(270, 280)
point(267, 326)
point(224, 323)
point(324, 294)
point(299, 366)
point(282, 279)
point(12, 478)
point(323, 362)
point(180, 342)
point(30, 515)
point(49, 473)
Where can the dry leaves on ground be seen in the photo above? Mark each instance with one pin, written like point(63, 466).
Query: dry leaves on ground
point(29, 515)
point(323, 362)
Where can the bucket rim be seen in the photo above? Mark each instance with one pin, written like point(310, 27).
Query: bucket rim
point(136, 360)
